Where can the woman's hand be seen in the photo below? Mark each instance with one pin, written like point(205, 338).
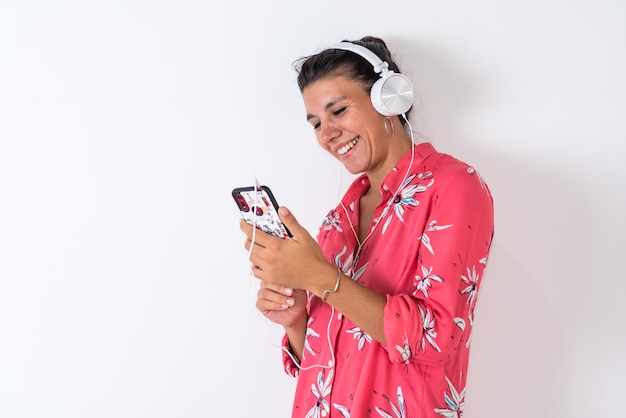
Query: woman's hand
point(296, 263)
point(299, 263)
point(283, 305)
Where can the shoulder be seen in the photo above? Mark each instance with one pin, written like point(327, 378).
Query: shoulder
point(451, 169)
point(456, 177)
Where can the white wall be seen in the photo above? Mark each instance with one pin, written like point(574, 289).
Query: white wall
point(124, 285)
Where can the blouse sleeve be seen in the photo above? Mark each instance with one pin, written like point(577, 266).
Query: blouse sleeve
point(289, 359)
point(427, 323)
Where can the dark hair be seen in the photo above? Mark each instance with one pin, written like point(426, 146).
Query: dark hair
point(336, 62)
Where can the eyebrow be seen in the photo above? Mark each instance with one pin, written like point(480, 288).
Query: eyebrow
point(328, 106)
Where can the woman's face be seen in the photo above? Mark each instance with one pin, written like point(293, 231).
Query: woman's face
point(346, 124)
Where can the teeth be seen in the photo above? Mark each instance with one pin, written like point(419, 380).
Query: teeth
point(348, 146)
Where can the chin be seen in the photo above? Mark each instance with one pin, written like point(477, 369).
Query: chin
point(354, 170)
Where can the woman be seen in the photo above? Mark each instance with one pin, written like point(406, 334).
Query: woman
point(378, 311)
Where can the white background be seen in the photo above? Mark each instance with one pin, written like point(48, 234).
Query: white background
point(124, 284)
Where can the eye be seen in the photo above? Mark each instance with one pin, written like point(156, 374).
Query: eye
point(315, 125)
point(340, 111)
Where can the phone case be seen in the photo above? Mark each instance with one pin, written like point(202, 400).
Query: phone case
point(258, 205)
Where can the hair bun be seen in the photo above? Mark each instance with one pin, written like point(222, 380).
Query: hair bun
point(373, 40)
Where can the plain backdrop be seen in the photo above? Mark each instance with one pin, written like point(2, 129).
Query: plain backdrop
point(124, 285)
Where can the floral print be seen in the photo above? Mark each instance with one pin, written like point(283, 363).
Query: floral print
point(432, 226)
point(321, 408)
point(402, 201)
point(399, 411)
point(454, 402)
point(425, 281)
point(417, 256)
point(310, 333)
point(332, 221)
point(471, 279)
point(360, 336)
point(429, 333)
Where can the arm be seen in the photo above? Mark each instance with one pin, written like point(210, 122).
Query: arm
point(300, 264)
point(406, 323)
point(287, 307)
point(362, 305)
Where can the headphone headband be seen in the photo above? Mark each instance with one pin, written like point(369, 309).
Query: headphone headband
point(379, 65)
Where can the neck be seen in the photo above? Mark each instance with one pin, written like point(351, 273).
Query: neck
point(400, 145)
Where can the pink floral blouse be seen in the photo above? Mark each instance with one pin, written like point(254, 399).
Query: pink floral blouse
point(426, 252)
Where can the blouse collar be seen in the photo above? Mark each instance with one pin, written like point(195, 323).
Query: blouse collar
point(395, 177)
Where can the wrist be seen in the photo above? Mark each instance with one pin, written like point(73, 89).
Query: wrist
point(328, 282)
point(334, 289)
point(296, 335)
point(297, 326)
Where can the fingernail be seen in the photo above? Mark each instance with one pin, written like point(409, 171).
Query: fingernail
point(283, 210)
point(290, 301)
point(288, 291)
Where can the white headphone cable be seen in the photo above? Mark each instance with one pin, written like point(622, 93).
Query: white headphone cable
point(356, 256)
point(254, 228)
point(257, 188)
point(390, 201)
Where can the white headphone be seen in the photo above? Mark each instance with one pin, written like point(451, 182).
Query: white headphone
point(392, 94)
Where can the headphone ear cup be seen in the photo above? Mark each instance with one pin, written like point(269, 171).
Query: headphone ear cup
point(392, 94)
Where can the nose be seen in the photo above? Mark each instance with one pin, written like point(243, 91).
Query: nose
point(329, 131)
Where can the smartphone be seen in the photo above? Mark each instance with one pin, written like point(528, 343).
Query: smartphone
point(258, 207)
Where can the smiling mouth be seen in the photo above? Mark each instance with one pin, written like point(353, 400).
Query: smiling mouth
point(348, 146)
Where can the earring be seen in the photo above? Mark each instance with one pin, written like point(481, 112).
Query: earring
point(393, 129)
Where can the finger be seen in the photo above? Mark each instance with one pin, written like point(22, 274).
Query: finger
point(245, 227)
point(290, 221)
point(259, 271)
point(287, 291)
point(256, 271)
point(260, 237)
point(248, 244)
point(268, 300)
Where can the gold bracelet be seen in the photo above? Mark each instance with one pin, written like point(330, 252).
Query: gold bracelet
point(327, 292)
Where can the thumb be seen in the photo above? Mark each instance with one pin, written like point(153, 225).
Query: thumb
point(289, 220)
